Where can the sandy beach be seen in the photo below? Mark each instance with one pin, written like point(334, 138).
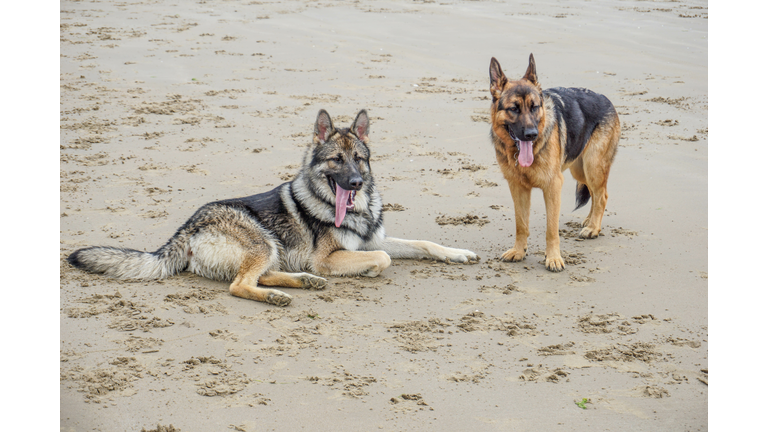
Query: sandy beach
point(166, 106)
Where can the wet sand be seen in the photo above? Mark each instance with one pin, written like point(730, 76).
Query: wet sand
point(167, 106)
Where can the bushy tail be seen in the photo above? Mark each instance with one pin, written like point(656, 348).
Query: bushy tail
point(123, 263)
point(582, 195)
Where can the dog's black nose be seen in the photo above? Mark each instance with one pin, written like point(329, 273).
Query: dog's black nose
point(356, 183)
point(531, 134)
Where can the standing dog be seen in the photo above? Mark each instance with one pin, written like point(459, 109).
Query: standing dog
point(538, 135)
point(328, 221)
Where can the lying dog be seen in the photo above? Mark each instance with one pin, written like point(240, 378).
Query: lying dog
point(328, 221)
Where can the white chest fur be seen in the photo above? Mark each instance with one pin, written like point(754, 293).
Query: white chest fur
point(349, 240)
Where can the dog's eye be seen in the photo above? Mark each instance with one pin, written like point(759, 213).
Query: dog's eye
point(534, 107)
point(513, 109)
point(358, 158)
point(337, 159)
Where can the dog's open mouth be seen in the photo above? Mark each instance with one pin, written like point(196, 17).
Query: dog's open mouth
point(525, 156)
point(345, 200)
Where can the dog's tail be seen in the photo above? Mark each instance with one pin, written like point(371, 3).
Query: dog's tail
point(582, 195)
point(123, 263)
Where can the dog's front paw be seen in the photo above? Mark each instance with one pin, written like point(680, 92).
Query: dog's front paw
point(312, 282)
point(513, 255)
point(555, 263)
point(380, 261)
point(589, 233)
point(278, 298)
point(461, 256)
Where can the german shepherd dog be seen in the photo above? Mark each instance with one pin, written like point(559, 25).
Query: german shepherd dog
point(538, 135)
point(327, 221)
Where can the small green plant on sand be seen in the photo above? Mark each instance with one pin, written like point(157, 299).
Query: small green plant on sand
point(582, 403)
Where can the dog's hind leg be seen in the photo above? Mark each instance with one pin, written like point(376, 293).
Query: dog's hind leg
point(598, 157)
point(597, 184)
point(582, 190)
point(230, 245)
point(245, 282)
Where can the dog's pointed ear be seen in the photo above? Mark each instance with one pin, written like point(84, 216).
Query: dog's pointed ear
point(323, 127)
point(530, 73)
point(360, 126)
point(498, 79)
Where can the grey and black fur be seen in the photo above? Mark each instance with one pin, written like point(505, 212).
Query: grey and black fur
point(285, 236)
point(581, 111)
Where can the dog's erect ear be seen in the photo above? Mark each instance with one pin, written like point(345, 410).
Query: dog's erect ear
point(530, 74)
point(360, 126)
point(498, 79)
point(323, 127)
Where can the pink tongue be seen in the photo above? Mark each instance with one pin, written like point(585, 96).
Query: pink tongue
point(342, 196)
point(526, 153)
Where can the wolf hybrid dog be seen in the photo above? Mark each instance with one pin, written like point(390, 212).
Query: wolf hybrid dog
point(538, 135)
point(327, 221)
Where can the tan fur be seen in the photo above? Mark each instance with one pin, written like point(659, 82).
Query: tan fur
point(346, 262)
